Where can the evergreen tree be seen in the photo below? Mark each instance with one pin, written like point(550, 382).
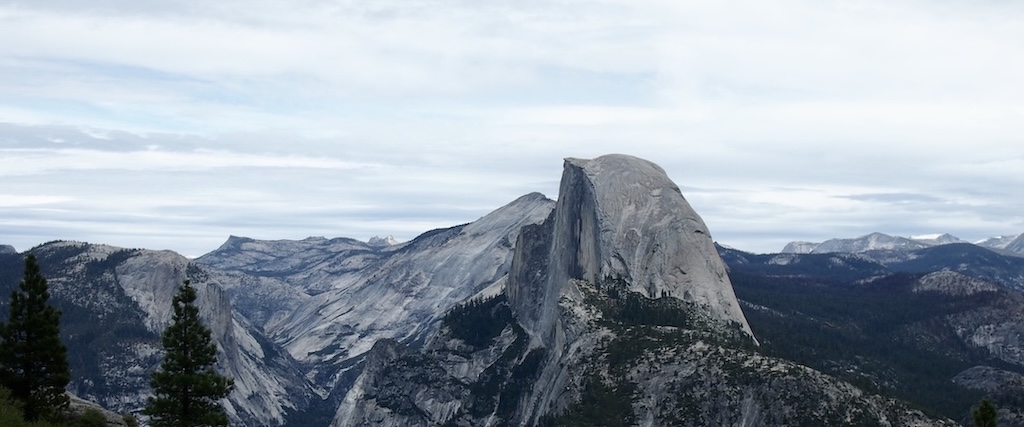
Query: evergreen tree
point(33, 360)
point(186, 386)
point(985, 415)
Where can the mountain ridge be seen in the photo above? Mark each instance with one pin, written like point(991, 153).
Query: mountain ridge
point(880, 241)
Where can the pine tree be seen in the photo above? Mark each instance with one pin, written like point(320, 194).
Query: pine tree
point(33, 360)
point(985, 415)
point(186, 386)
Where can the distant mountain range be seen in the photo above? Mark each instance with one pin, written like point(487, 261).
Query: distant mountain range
point(879, 241)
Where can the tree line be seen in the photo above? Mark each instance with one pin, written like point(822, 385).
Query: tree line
point(34, 370)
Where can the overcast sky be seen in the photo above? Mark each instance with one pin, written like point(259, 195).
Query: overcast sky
point(174, 124)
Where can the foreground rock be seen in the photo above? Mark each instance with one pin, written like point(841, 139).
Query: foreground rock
point(78, 407)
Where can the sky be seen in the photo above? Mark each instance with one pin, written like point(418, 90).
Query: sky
point(175, 124)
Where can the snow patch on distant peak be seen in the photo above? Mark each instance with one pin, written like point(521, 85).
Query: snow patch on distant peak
point(937, 239)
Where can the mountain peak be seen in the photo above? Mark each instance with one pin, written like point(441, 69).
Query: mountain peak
point(1016, 245)
point(799, 247)
point(382, 242)
point(619, 218)
point(937, 239)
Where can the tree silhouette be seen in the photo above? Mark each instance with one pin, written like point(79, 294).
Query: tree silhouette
point(985, 415)
point(186, 386)
point(33, 360)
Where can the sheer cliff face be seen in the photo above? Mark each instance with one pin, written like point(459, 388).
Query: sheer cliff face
point(619, 218)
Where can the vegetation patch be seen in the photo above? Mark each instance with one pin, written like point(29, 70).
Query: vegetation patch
point(502, 385)
point(868, 335)
point(601, 404)
point(479, 321)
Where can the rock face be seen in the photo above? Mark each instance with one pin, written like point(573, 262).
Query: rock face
point(619, 218)
point(328, 301)
point(799, 248)
point(116, 303)
point(616, 310)
point(404, 293)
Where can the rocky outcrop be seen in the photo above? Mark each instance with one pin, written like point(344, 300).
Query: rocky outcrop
point(1002, 385)
point(619, 218)
point(78, 407)
point(953, 283)
point(989, 379)
point(799, 247)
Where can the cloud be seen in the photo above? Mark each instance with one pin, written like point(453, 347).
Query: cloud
point(31, 162)
point(901, 198)
point(794, 119)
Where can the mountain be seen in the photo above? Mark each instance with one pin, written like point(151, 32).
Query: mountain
point(116, 303)
point(617, 310)
point(971, 260)
point(1016, 245)
point(290, 317)
point(799, 248)
point(935, 327)
point(328, 301)
point(997, 242)
point(620, 218)
point(937, 239)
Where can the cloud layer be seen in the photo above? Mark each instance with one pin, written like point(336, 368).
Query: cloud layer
point(174, 125)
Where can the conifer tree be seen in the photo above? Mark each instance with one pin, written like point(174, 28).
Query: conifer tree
point(985, 415)
point(186, 386)
point(33, 360)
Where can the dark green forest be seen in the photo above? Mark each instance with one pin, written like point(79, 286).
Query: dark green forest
point(879, 336)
